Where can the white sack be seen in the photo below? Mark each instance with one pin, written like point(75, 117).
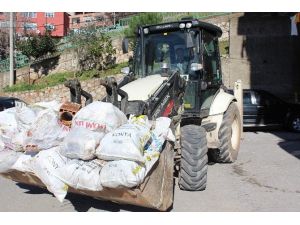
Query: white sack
point(99, 116)
point(24, 163)
point(83, 175)
point(45, 166)
point(126, 142)
point(8, 127)
point(46, 132)
point(80, 143)
point(7, 160)
point(162, 129)
point(122, 173)
point(150, 160)
point(1, 144)
point(25, 117)
point(8, 121)
point(53, 105)
point(160, 134)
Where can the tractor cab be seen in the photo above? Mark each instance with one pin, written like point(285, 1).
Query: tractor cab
point(188, 47)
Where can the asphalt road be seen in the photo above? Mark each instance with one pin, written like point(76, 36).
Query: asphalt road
point(264, 178)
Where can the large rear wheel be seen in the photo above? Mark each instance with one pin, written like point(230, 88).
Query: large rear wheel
point(229, 136)
point(193, 164)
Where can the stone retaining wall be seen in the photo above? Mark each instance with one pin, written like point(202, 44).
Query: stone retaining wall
point(60, 92)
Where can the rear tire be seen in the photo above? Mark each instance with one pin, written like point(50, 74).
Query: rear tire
point(193, 164)
point(229, 136)
point(294, 123)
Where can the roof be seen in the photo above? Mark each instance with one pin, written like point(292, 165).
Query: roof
point(215, 30)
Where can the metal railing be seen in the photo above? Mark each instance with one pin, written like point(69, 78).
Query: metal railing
point(20, 61)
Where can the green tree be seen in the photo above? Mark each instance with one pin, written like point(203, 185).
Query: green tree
point(94, 49)
point(139, 20)
point(36, 46)
point(4, 44)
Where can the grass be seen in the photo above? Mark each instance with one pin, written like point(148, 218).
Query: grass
point(224, 47)
point(59, 78)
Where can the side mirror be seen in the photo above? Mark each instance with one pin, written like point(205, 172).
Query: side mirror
point(125, 45)
point(196, 67)
point(125, 70)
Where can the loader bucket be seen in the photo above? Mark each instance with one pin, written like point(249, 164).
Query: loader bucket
point(155, 192)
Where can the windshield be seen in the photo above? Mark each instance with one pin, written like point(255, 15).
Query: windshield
point(167, 52)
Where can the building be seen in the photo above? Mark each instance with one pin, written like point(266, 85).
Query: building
point(38, 23)
point(99, 19)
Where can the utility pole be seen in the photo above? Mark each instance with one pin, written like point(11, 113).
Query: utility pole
point(114, 15)
point(11, 49)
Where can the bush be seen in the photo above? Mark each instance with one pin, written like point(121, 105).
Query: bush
point(94, 49)
point(142, 19)
point(36, 46)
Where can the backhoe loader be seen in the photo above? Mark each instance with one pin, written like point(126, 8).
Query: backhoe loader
point(175, 72)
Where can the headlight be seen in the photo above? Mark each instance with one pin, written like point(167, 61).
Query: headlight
point(146, 31)
point(182, 25)
point(188, 25)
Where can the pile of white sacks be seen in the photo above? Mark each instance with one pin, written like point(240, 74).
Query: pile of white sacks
point(102, 149)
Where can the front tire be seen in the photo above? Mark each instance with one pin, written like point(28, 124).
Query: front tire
point(229, 136)
point(193, 164)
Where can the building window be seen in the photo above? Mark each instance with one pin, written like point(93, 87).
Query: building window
point(30, 26)
point(49, 14)
point(99, 18)
point(4, 24)
point(29, 14)
point(88, 19)
point(76, 20)
point(49, 27)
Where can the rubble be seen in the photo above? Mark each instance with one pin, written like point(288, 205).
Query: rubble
point(101, 149)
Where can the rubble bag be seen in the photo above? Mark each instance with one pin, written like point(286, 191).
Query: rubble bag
point(24, 162)
point(8, 126)
point(160, 134)
point(155, 192)
point(1, 144)
point(7, 159)
point(46, 132)
point(80, 143)
point(8, 121)
point(83, 175)
point(25, 117)
point(53, 105)
point(98, 116)
point(122, 173)
point(126, 142)
point(45, 166)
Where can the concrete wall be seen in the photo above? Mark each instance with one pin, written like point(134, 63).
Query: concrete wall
point(224, 23)
point(264, 55)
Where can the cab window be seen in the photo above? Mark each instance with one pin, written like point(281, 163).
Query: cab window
point(211, 65)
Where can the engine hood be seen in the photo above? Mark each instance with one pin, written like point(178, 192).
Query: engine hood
point(142, 88)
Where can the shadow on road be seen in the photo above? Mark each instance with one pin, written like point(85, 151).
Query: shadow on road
point(290, 141)
point(84, 203)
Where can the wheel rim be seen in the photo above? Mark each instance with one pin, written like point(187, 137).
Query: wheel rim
point(296, 124)
point(235, 133)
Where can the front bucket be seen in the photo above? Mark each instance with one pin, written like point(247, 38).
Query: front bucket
point(155, 192)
